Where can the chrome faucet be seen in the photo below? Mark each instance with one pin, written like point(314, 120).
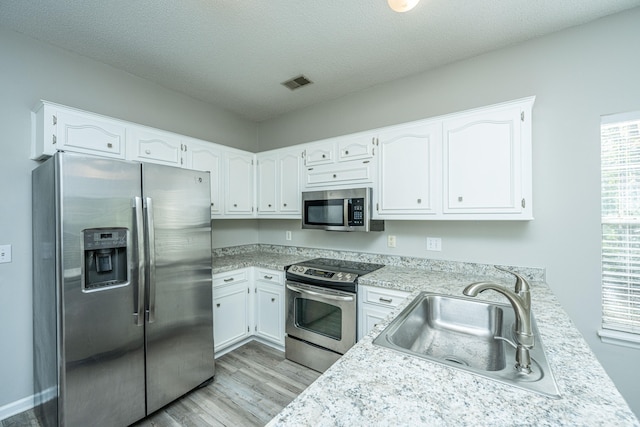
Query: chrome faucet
point(521, 302)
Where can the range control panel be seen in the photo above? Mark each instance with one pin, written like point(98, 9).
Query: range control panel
point(327, 275)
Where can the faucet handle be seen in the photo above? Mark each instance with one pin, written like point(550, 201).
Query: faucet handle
point(522, 285)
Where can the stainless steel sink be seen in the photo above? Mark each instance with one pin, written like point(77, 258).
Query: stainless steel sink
point(467, 334)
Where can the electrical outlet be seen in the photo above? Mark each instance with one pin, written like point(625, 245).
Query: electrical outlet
point(434, 244)
point(287, 235)
point(5, 253)
point(391, 241)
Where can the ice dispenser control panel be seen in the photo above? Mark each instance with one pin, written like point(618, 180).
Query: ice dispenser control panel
point(105, 258)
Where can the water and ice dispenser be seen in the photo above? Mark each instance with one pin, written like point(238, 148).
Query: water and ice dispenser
point(105, 258)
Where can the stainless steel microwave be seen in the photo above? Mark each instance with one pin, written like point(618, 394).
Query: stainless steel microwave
point(339, 210)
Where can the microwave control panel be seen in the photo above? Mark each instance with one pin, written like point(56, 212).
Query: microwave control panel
point(356, 212)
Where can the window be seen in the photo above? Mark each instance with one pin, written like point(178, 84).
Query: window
point(620, 212)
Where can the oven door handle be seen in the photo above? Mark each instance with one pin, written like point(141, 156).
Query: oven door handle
point(319, 294)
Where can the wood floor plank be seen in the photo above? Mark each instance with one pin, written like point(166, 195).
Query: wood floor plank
point(252, 384)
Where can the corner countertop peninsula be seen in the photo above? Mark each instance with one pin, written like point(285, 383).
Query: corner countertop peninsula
point(372, 385)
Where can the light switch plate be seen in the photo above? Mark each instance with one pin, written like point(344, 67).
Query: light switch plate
point(391, 241)
point(5, 253)
point(287, 235)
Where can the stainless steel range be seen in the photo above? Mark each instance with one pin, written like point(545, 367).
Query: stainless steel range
point(321, 310)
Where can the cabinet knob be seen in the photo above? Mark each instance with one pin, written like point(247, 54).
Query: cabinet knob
point(334, 175)
point(273, 300)
point(459, 198)
point(235, 205)
point(211, 203)
point(147, 151)
point(323, 156)
point(419, 200)
point(218, 305)
point(269, 204)
point(284, 204)
point(346, 152)
point(110, 145)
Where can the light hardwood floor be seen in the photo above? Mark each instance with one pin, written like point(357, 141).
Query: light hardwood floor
point(252, 384)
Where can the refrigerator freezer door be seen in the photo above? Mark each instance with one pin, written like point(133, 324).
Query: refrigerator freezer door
point(102, 347)
point(179, 339)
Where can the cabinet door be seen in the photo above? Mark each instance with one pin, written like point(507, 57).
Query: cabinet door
point(88, 134)
point(270, 311)
point(482, 163)
point(154, 147)
point(370, 316)
point(289, 167)
point(408, 172)
point(356, 147)
point(208, 159)
point(320, 154)
point(230, 314)
point(267, 184)
point(239, 183)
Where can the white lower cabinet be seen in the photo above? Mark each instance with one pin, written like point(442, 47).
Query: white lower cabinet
point(248, 303)
point(374, 305)
point(269, 305)
point(231, 308)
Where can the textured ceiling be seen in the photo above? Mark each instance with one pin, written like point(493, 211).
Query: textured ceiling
point(235, 53)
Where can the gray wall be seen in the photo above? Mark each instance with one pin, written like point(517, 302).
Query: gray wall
point(577, 75)
point(30, 71)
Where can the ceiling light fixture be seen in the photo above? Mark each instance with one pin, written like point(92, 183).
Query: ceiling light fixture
point(402, 5)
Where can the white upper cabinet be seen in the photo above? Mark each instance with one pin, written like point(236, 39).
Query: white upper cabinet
point(205, 156)
point(409, 171)
point(340, 162)
point(487, 163)
point(58, 128)
point(279, 183)
point(239, 183)
point(154, 146)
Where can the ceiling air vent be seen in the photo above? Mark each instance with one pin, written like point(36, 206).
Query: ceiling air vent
point(297, 82)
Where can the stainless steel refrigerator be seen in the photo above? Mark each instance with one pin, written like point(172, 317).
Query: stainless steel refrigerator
point(122, 307)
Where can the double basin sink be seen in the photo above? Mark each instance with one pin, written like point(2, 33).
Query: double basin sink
point(472, 335)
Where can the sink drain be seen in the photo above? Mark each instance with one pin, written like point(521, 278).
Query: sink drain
point(457, 360)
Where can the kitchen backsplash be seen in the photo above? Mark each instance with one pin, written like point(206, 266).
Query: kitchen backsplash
point(531, 273)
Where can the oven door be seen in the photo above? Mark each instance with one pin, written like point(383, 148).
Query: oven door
point(324, 317)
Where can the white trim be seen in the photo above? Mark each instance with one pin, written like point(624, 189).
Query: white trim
point(14, 408)
point(624, 339)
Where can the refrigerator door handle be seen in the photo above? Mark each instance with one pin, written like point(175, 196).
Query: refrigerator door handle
point(139, 231)
point(152, 260)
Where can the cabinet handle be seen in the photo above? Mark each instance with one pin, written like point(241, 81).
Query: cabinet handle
point(419, 200)
point(387, 300)
point(268, 277)
point(273, 300)
point(230, 279)
point(218, 305)
point(54, 139)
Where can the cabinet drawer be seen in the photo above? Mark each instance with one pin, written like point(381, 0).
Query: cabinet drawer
point(271, 276)
point(230, 277)
point(382, 296)
point(359, 172)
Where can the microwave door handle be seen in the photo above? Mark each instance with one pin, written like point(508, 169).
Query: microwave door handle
point(319, 294)
point(346, 213)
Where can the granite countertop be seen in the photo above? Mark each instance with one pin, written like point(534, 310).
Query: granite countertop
point(372, 385)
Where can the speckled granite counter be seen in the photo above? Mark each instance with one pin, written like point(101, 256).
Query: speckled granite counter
point(372, 385)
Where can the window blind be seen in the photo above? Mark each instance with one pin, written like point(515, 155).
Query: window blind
point(620, 212)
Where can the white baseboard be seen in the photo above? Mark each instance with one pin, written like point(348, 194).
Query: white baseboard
point(24, 404)
point(14, 408)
